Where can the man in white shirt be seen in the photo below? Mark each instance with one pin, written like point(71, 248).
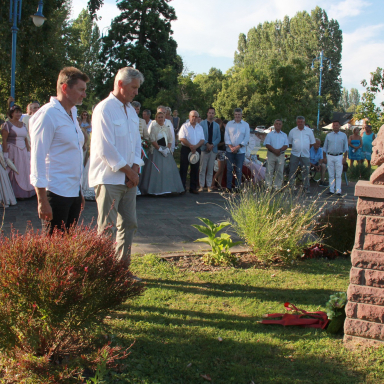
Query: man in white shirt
point(191, 135)
point(301, 139)
point(236, 139)
point(115, 160)
point(335, 145)
point(142, 123)
point(276, 142)
point(57, 152)
point(147, 118)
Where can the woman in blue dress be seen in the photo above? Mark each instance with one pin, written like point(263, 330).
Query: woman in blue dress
point(368, 137)
point(355, 143)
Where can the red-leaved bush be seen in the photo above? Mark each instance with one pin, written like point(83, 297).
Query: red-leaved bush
point(53, 288)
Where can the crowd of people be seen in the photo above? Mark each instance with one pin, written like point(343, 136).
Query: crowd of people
point(116, 155)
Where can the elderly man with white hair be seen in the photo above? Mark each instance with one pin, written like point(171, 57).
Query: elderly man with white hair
point(115, 160)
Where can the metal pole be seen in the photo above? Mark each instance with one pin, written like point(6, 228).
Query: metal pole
point(16, 14)
point(321, 74)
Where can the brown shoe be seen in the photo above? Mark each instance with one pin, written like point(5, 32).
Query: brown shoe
point(194, 191)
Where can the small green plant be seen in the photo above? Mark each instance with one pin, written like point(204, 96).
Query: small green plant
point(220, 254)
point(359, 172)
point(101, 370)
point(336, 305)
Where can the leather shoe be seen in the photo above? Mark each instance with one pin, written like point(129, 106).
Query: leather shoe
point(194, 191)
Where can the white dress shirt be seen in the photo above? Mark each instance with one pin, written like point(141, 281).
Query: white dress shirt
point(56, 149)
point(335, 143)
point(276, 139)
point(115, 142)
point(237, 133)
point(193, 135)
point(301, 141)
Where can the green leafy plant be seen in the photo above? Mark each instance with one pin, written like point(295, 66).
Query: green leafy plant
point(278, 225)
point(359, 172)
point(220, 254)
point(336, 305)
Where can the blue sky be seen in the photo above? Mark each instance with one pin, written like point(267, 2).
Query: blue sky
point(207, 30)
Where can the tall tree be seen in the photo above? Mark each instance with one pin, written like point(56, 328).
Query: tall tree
point(141, 37)
point(301, 37)
point(41, 52)
point(83, 51)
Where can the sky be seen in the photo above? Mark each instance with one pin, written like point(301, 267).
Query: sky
point(207, 31)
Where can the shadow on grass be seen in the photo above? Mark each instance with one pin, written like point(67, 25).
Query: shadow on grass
point(176, 351)
point(298, 296)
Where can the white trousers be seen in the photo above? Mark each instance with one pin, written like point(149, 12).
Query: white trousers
point(207, 163)
point(335, 170)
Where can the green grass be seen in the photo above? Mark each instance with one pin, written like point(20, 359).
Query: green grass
point(178, 320)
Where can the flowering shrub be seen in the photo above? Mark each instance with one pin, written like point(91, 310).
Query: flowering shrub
point(318, 251)
point(336, 305)
point(53, 289)
point(339, 227)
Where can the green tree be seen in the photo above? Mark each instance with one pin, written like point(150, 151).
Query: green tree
point(298, 41)
point(41, 52)
point(83, 51)
point(210, 85)
point(368, 108)
point(141, 37)
point(349, 100)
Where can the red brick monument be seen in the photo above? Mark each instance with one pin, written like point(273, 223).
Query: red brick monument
point(364, 324)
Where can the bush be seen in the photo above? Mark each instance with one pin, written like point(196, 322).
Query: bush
point(359, 172)
point(54, 289)
point(276, 225)
point(339, 227)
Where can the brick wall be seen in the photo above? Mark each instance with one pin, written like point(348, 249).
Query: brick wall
point(365, 309)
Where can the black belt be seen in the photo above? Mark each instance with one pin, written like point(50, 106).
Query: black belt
point(338, 154)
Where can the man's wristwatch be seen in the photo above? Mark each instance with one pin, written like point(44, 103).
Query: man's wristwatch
point(241, 145)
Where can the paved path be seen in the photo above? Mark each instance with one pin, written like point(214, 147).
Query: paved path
point(164, 222)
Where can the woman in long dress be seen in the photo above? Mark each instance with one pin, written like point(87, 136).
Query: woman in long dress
point(355, 145)
point(16, 148)
point(160, 174)
point(7, 197)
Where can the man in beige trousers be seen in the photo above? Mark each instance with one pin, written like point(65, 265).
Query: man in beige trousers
point(115, 160)
point(276, 142)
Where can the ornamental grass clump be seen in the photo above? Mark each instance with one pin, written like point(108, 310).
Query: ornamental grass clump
point(277, 225)
point(55, 290)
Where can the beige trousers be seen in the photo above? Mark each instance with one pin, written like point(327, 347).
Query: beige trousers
point(116, 206)
point(275, 167)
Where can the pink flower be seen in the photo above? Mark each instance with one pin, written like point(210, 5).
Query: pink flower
point(86, 269)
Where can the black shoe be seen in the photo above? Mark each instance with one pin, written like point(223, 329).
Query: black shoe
point(323, 184)
point(338, 194)
point(194, 191)
point(330, 193)
point(183, 193)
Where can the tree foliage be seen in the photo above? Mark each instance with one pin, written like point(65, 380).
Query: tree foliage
point(41, 52)
point(272, 63)
point(368, 108)
point(349, 100)
point(141, 37)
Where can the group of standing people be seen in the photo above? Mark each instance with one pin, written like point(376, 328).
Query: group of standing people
point(360, 145)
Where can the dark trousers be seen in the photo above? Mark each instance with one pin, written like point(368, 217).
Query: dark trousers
point(184, 164)
point(65, 210)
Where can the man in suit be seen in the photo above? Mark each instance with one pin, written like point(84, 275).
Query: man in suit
point(209, 150)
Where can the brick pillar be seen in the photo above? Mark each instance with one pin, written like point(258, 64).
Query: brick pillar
point(364, 324)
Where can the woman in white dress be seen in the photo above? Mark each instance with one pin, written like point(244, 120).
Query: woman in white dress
point(7, 197)
point(160, 173)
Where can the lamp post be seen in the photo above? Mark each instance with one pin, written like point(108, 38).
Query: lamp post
point(15, 17)
point(321, 59)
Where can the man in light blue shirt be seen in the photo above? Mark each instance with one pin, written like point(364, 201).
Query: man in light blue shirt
point(316, 157)
point(335, 145)
point(276, 142)
point(236, 139)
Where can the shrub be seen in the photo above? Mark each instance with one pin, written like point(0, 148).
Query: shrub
point(54, 289)
point(220, 254)
point(339, 227)
point(276, 225)
point(359, 172)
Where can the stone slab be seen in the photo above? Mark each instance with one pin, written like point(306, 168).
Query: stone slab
point(360, 342)
point(374, 225)
point(365, 329)
point(367, 259)
point(373, 243)
point(370, 206)
point(360, 232)
point(366, 189)
point(366, 295)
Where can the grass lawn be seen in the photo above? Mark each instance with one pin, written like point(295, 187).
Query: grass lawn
point(178, 320)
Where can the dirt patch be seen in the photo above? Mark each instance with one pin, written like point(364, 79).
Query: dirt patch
point(196, 264)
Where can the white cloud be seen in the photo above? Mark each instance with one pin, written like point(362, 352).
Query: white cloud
point(347, 8)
